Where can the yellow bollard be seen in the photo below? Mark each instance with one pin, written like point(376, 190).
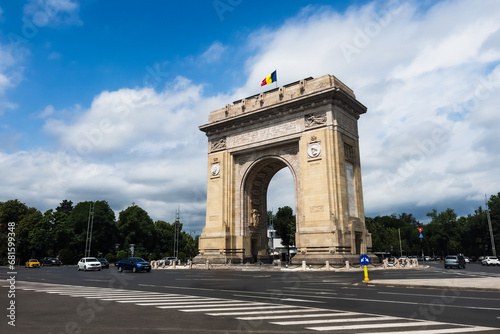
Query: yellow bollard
point(366, 274)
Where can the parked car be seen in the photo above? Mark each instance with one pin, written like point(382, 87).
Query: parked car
point(490, 261)
point(169, 261)
point(104, 262)
point(467, 260)
point(89, 263)
point(133, 263)
point(32, 263)
point(457, 261)
point(50, 261)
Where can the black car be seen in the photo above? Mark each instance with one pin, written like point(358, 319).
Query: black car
point(104, 263)
point(133, 263)
point(50, 261)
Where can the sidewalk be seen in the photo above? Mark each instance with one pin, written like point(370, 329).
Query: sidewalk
point(475, 284)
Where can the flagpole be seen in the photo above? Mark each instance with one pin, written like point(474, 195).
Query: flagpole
point(276, 70)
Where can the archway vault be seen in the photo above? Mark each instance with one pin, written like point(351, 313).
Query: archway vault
point(309, 127)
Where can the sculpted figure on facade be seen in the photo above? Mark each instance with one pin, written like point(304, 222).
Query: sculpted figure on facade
point(312, 120)
point(255, 221)
point(219, 145)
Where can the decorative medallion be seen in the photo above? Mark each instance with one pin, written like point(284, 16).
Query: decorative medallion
point(215, 169)
point(314, 150)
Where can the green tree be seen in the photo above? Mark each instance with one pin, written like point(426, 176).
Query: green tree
point(445, 232)
point(65, 207)
point(104, 230)
point(136, 227)
point(10, 211)
point(285, 227)
point(24, 248)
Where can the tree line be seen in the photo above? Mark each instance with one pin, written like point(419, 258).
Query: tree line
point(62, 232)
point(445, 234)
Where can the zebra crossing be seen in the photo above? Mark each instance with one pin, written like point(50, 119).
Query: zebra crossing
point(296, 317)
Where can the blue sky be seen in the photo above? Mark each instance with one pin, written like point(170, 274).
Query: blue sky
point(101, 100)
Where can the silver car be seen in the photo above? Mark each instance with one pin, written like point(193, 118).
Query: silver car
point(456, 261)
point(89, 263)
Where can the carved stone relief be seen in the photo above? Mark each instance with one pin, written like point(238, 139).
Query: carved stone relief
point(314, 120)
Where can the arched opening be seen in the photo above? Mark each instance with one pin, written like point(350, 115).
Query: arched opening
point(280, 193)
point(256, 187)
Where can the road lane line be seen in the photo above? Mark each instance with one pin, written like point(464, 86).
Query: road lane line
point(315, 315)
point(377, 326)
point(326, 321)
point(196, 302)
point(185, 307)
point(231, 313)
point(282, 299)
point(236, 308)
point(442, 331)
point(439, 296)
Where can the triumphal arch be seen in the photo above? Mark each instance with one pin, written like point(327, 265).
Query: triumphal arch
point(310, 127)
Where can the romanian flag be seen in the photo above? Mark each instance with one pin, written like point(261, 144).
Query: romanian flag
point(270, 78)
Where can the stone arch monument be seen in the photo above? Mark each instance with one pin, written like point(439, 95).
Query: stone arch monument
point(310, 127)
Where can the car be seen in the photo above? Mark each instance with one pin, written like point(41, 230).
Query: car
point(457, 261)
point(133, 263)
point(50, 261)
point(104, 262)
point(89, 263)
point(169, 261)
point(490, 261)
point(467, 260)
point(32, 263)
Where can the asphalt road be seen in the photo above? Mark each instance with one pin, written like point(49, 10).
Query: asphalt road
point(63, 300)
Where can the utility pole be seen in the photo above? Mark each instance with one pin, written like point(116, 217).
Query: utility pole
point(176, 234)
point(90, 225)
point(493, 249)
point(400, 246)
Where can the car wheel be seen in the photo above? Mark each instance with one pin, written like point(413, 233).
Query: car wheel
point(120, 269)
point(149, 270)
point(85, 268)
point(99, 269)
point(78, 268)
point(134, 269)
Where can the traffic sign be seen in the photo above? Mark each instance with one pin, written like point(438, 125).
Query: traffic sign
point(421, 235)
point(364, 260)
point(420, 229)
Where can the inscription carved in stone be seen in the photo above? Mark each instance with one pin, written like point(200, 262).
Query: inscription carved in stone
point(264, 134)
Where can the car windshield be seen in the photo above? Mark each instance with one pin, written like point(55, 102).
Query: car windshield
point(91, 259)
point(451, 257)
point(493, 258)
point(137, 259)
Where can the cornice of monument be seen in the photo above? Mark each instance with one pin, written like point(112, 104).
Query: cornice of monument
point(289, 99)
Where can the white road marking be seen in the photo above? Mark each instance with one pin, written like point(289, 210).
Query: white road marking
point(326, 321)
point(315, 315)
point(377, 326)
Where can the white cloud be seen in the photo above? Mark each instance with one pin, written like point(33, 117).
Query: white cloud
point(213, 53)
point(415, 70)
point(429, 139)
point(52, 13)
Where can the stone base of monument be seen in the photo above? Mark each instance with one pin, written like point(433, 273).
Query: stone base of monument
point(221, 259)
point(333, 259)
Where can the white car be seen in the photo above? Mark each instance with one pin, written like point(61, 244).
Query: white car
point(89, 263)
point(490, 261)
